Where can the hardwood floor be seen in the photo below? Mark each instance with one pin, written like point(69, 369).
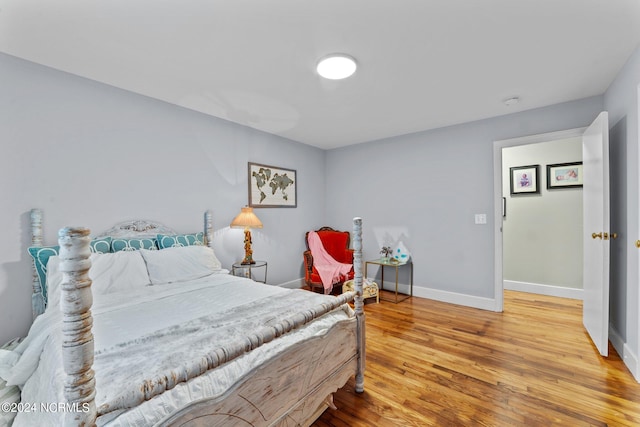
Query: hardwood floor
point(436, 364)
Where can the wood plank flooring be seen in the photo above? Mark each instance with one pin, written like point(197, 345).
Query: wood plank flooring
point(436, 364)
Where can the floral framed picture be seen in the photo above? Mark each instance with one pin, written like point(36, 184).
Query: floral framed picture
point(272, 187)
point(564, 175)
point(525, 179)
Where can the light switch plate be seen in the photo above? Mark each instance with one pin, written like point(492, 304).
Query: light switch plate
point(481, 218)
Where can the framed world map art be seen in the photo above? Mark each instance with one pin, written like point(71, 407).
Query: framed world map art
point(272, 187)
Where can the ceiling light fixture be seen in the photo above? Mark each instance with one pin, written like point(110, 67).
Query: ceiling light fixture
point(511, 101)
point(336, 66)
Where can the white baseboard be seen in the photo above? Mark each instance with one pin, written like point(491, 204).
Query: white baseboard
point(420, 292)
point(628, 357)
point(538, 288)
point(390, 285)
point(293, 284)
point(455, 298)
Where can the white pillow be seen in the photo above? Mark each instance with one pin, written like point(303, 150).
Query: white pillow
point(180, 263)
point(110, 272)
point(118, 271)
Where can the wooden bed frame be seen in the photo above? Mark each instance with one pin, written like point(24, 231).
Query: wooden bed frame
point(293, 388)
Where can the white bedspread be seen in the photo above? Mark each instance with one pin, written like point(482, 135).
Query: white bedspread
point(154, 330)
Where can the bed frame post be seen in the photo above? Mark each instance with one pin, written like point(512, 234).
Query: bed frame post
point(359, 302)
point(77, 339)
point(37, 298)
point(208, 228)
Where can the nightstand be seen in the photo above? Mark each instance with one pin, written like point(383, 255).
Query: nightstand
point(387, 263)
point(245, 270)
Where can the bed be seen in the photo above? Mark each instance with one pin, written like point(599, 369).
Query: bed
point(181, 341)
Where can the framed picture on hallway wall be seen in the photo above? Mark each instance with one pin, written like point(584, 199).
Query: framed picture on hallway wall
point(272, 187)
point(525, 179)
point(564, 175)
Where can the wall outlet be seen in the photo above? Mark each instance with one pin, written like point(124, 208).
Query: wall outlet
point(481, 218)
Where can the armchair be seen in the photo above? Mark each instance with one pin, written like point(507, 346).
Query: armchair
point(336, 243)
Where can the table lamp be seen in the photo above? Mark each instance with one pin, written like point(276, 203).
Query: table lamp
point(247, 219)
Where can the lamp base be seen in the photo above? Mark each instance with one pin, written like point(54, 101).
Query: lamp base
point(248, 253)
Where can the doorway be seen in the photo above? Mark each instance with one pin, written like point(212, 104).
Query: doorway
point(543, 221)
point(498, 147)
point(596, 217)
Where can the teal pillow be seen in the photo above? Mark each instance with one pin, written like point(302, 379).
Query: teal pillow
point(41, 255)
point(177, 240)
point(100, 246)
point(118, 245)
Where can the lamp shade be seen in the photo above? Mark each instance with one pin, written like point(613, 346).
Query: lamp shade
point(246, 219)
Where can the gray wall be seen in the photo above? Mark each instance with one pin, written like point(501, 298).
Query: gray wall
point(542, 233)
point(91, 155)
point(621, 101)
point(430, 185)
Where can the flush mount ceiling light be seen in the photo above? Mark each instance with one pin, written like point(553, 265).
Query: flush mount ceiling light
point(336, 66)
point(511, 101)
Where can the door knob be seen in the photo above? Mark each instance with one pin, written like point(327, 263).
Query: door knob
point(638, 244)
point(614, 236)
point(596, 235)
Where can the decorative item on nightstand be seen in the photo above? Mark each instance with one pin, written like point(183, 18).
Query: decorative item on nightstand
point(401, 254)
point(386, 253)
point(247, 219)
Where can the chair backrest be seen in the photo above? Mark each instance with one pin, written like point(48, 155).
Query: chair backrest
point(335, 242)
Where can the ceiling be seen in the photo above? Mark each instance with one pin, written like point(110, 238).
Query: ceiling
point(423, 64)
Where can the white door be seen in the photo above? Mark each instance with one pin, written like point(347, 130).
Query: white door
point(636, 371)
point(595, 159)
